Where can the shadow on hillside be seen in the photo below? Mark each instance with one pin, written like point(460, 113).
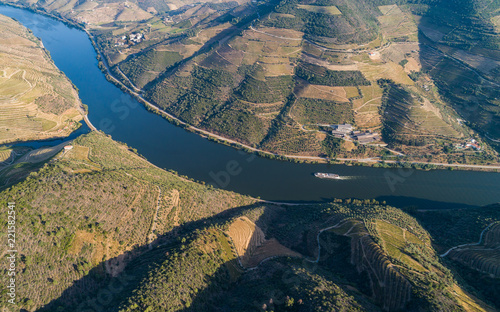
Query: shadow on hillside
point(97, 291)
point(270, 283)
point(457, 49)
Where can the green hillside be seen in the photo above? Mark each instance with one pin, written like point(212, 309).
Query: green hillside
point(99, 225)
point(246, 70)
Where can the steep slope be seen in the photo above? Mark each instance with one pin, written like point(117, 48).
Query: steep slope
point(37, 101)
point(283, 73)
point(100, 228)
point(470, 240)
point(462, 56)
point(93, 209)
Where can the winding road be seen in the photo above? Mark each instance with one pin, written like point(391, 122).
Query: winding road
point(473, 244)
point(187, 126)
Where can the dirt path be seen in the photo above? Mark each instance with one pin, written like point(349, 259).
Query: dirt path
point(128, 79)
point(377, 98)
point(152, 235)
point(317, 239)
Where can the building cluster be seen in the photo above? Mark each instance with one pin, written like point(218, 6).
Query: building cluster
point(347, 132)
point(134, 38)
point(473, 144)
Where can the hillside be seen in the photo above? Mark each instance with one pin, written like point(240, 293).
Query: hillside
point(99, 225)
point(37, 101)
point(470, 242)
point(277, 76)
point(94, 207)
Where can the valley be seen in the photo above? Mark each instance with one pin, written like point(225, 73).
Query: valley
point(92, 232)
point(288, 51)
point(171, 221)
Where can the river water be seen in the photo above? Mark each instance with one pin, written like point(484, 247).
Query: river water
point(171, 147)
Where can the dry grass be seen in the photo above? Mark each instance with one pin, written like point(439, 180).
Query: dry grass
point(105, 13)
point(469, 302)
point(267, 47)
point(394, 241)
point(496, 21)
point(328, 65)
point(367, 108)
point(397, 24)
point(337, 94)
point(251, 245)
point(79, 153)
point(389, 70)
point(332, 10)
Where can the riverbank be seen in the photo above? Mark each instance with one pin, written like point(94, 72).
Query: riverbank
point(104, 67)
point(372, 162)
point(168, 146)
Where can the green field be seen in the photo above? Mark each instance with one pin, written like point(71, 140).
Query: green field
point(332, 10)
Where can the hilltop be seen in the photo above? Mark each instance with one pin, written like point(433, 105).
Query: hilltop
point(37, 100)
point(98, 225)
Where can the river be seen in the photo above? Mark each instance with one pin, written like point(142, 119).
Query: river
point(171, 147)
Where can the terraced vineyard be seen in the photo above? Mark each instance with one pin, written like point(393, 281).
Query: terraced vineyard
point(268, 59)
point(36, 100)
point(176, 244)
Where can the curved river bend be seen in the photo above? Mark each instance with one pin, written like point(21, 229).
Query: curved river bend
point(168, 146)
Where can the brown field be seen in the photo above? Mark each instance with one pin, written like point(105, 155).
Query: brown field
point(251, 245)
point(105, 13)
point(330, 66)
point(496, 21)
point(78, 153)
point(397, 52)
point(412, 65)
point(397, 24)
point(338, 94)
point(392, 9)
point(367, 108)
point(332, 10)
point(427, 119)
point(282, 32)
point(261, 46)
point(388, 70)
point(273, 70)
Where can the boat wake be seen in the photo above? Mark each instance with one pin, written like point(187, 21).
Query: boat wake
point(351, 178)
point(334, 176)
